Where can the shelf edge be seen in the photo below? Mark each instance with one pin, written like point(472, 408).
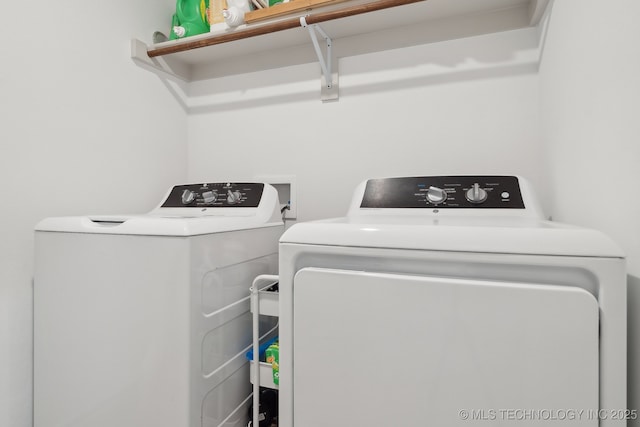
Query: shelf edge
point(273, 27)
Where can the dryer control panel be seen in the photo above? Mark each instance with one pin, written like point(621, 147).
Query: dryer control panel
point(444, 192)
point(215, 195)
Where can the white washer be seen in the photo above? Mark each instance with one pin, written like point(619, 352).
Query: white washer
point(450, 301)
point(143, 321)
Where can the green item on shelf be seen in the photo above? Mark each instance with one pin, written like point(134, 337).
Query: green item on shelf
point(272, 357)
point(190, 19)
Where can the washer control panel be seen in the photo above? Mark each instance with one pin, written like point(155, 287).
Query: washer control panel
point(215, 195)
point(444, 192)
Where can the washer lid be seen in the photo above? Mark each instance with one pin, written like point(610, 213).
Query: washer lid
point(187, 210)
point(151, 225)
point(485, 235)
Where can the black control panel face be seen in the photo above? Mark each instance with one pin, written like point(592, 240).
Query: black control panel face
point(215, 195)
point(444, 192)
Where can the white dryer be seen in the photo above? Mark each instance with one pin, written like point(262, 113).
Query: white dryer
point(450, 301)
point(143, 321)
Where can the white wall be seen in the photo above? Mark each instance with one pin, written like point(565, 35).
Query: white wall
point(82, 130)
point(590, 99)
point(461, 106)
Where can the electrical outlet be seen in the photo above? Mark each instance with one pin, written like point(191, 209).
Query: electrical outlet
point(286, 186)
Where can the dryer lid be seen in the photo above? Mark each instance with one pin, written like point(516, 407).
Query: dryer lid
point(489, 214)
point(448, 234)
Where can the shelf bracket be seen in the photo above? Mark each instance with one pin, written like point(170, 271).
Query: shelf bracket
point(163, 67)
point(329, 80)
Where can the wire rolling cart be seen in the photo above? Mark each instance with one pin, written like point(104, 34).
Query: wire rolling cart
point(264, 302)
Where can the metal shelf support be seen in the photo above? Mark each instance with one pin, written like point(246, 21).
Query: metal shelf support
point(329, 80)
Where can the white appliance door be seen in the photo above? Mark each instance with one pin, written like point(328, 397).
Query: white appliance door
point(382, 350)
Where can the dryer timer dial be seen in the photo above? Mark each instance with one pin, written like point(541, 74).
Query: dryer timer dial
point(476, 194)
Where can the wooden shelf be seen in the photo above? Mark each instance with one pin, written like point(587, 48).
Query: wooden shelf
point(355, 27)
point(249, 31)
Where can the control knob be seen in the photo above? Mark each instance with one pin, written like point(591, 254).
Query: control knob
point(476, 194)
point(188, 197)
point(436, 195)
point(233, 197)
point(209, 196)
